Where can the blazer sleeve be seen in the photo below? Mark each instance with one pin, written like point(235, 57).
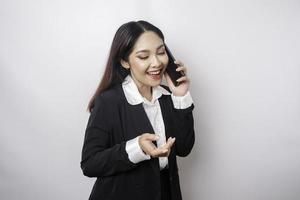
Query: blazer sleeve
point(99, 157)
point(184, 133)
point(183, 122)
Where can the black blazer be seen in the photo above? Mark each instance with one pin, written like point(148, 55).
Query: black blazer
point(112, 122)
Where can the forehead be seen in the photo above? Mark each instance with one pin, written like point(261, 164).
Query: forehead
point(147, 41)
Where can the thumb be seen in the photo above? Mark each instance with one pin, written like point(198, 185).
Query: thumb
point(152, 137)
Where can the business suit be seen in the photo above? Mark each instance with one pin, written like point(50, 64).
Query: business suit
point(113, 122)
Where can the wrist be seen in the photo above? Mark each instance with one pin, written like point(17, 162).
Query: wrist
point(179, 94)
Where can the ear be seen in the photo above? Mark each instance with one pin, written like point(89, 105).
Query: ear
point(125, 64)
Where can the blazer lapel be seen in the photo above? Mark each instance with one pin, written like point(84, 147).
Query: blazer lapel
point(165, 105)
point(142, 125)
point(165, 115)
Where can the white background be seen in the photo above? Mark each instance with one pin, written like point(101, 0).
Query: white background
point(244, 65)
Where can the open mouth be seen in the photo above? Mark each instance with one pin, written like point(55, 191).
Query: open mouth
point(155, 74)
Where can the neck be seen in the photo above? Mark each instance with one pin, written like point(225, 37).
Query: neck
point(145, 91)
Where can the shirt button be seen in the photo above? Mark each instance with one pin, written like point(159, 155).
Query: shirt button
point(171, 178)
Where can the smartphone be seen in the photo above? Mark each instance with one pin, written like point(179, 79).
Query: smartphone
point(171, 68)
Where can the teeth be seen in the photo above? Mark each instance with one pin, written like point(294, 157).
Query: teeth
point(154, 72)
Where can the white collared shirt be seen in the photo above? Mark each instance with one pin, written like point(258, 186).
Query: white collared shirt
point(153, 111)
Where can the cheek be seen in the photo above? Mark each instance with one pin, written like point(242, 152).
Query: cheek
point(139, 66)
point(165, 60)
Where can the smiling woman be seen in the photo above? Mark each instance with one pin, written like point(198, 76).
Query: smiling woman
point(147, 66)
point(129, 142)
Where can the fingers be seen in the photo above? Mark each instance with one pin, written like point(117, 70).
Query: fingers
point(146, 144)
point(158, 152)
point(181, 68)
point(169, 143)
point(168, 146)
point(165, 150)
point(182, 79)
point(150, 149)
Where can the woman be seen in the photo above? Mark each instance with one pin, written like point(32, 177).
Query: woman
point(130, 137)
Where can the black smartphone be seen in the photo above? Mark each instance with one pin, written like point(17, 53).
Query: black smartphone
point(171, 68)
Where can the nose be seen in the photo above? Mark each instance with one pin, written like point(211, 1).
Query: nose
point(155, 62)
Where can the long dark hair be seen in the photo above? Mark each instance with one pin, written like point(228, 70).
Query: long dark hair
point(121, 47)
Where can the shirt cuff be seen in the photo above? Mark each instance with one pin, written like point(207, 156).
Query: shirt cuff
point(134, 151)
point(182, 102)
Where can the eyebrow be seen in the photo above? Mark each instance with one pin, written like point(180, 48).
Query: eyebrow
point(144, 50)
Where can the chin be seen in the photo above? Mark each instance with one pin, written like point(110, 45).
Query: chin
point(154, 83)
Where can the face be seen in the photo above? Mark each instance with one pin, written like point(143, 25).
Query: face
point(148, 60)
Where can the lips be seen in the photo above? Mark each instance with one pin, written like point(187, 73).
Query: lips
point(156, 72)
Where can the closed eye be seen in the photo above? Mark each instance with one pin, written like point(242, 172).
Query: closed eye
point(143, 58)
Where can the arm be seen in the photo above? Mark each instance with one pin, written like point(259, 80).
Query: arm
point(184, 123)
point(183, 117)
point(99, 156)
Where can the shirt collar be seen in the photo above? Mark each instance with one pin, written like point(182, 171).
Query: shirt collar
point(133, 95)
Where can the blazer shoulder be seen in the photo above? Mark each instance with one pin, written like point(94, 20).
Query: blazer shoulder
point(111, 96)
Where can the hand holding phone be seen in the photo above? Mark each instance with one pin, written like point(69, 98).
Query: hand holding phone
point(171, 68)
